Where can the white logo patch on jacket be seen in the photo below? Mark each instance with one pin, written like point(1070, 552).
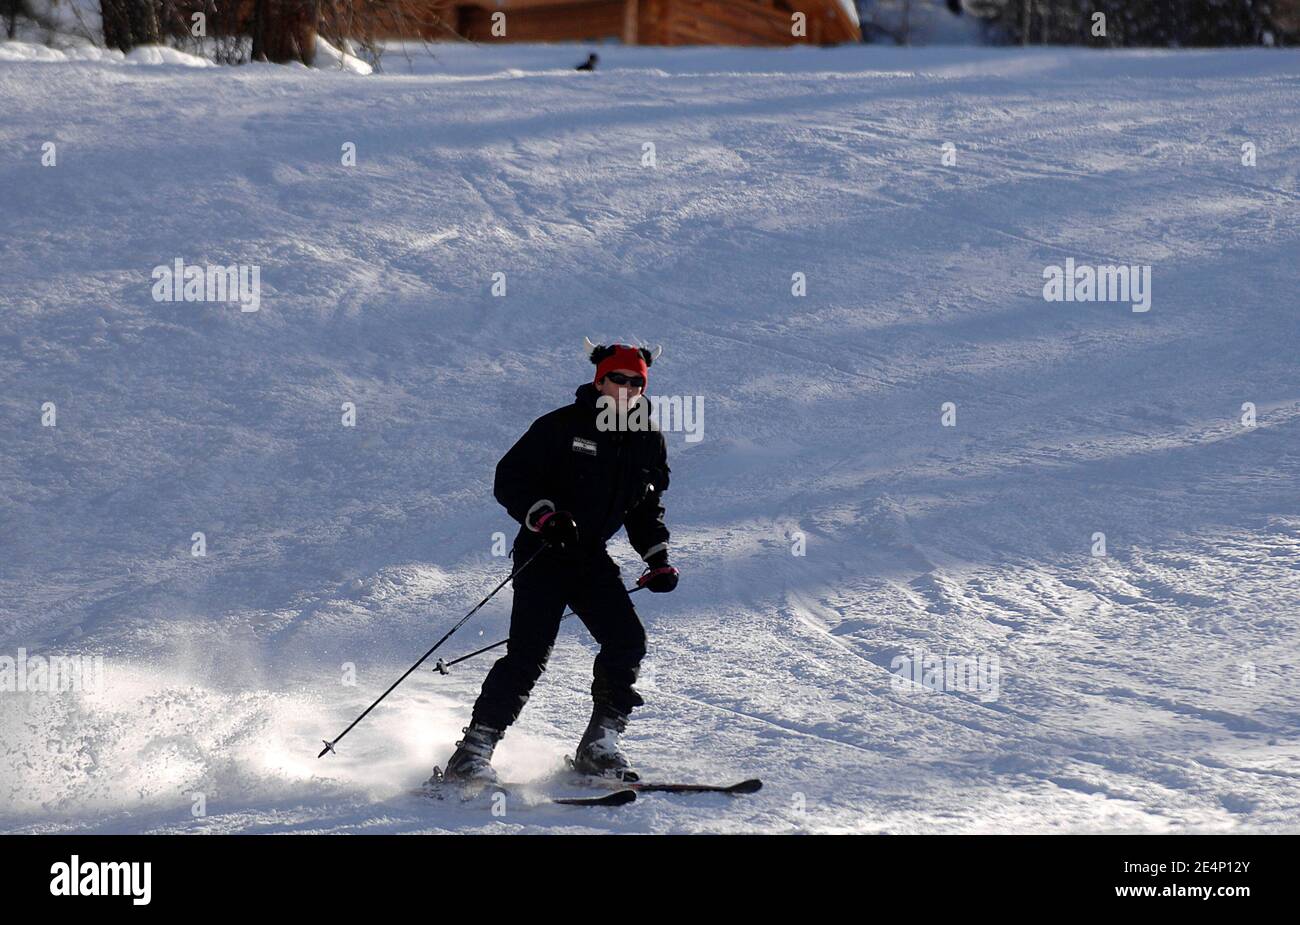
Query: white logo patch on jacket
point(583, 445)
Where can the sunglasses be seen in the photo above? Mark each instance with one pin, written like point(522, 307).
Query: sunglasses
point(624, 379)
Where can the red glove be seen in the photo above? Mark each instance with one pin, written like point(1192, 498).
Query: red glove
point(659, 577)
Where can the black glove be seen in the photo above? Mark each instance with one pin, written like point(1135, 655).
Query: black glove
point(560, 531)
point(659, 576)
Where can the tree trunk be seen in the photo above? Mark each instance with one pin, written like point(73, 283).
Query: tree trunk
point(128, 23)
point(285, 30)
point(10, 10)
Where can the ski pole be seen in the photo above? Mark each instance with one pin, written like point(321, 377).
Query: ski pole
point(329, 745)
point(441, 666)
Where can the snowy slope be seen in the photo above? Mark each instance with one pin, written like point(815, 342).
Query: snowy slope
point(1149, 690)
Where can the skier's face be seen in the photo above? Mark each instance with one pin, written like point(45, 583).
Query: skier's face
point(630, 394)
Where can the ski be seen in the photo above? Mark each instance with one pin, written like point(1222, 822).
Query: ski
point(437, 789)
point(753, 785)
point(616, 798)
point(620, 797)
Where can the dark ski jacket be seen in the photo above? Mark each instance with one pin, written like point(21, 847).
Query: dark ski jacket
point(605, 479)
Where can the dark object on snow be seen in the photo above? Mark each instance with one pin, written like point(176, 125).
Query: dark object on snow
point(589, 64)
point(955, 6)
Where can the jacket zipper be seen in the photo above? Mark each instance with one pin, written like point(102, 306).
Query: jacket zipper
point(618, 481)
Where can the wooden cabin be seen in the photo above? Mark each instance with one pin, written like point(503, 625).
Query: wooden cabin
point(632, 22)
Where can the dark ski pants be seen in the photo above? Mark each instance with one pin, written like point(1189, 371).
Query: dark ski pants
point(593, 587)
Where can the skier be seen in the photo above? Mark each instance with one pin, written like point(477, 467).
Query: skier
point(572, 481)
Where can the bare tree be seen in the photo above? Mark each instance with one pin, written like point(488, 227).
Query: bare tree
point(10, 9)
point(128, 23)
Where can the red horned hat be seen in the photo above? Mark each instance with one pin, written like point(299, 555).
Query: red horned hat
point(620, 356)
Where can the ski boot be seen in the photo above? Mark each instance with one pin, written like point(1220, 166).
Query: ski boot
point(471, 763)
point(598, 753)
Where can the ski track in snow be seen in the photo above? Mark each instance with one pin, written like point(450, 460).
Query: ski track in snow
point(1148, 691)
